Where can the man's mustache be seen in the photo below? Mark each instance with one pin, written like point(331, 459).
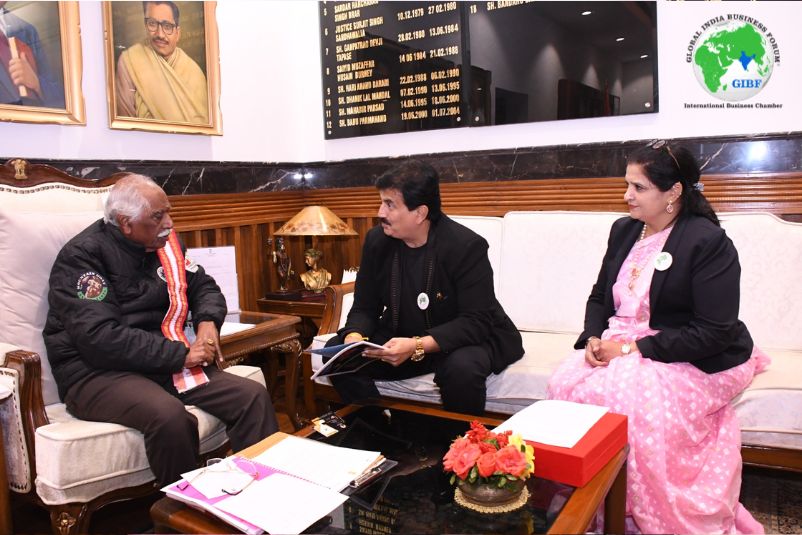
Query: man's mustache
point(166, 232)
point(384, 221)
point(159, 40)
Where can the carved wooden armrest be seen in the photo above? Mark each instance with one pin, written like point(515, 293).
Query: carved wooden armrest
point(333, 299)
point(28, 366)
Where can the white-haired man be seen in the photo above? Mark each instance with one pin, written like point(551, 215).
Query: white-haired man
point(119, 294)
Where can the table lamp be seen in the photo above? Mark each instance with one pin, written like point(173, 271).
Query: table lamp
point(315, 221)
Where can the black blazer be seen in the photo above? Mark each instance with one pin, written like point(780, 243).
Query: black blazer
point(694, 303)
point(463, 309)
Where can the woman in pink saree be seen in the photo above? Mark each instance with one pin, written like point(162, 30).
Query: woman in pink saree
point(662, 343)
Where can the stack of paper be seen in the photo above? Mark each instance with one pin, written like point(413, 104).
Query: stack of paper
point(554, 422)
point(330, 466)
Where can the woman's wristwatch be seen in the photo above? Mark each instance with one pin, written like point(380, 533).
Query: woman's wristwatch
point(626, 348)
point(418, 354)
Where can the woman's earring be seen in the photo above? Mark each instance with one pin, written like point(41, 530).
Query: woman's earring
point(670, 206)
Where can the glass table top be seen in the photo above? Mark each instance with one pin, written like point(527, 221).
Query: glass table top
point(416, 496)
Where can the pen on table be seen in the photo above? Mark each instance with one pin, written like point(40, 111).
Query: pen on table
point(372, 470)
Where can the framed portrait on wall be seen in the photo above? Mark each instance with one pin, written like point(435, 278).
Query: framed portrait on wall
point(40, 63)
point(163, 67)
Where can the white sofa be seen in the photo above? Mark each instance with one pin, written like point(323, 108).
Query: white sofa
point(545, 264)
point(70, 466)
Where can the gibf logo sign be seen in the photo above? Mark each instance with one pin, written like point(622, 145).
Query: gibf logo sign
point(733, 56)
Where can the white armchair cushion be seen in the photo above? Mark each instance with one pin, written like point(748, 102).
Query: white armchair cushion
point(77, 460)
point(29, 243)
point(53, 197)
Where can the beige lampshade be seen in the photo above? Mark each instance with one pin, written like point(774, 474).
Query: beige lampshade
point(315, 221)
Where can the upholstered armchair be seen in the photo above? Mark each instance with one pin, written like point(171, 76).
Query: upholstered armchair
point(68, 466)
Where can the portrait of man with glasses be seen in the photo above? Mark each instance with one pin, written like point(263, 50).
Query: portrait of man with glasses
point(155, 78)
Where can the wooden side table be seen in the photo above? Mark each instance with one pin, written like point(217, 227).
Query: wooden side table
point(310, 312)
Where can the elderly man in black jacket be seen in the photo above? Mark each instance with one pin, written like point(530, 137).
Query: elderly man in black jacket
point(119, 294)
point(425, 291)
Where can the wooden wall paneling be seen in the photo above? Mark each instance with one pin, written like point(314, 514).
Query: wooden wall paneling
point(247, 220)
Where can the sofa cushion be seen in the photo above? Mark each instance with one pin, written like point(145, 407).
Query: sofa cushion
point(491, 229)
point(770, 253)
point(110, 456)
point(550, 261)
point(521, 383)
point(29, 243)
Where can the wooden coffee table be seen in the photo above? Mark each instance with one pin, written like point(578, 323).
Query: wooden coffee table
point(607, 488)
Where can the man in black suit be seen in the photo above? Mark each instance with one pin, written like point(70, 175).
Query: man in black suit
point(425, 292)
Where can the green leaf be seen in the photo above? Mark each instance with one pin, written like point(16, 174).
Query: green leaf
point(473, 474)
point(502, 481)
point(453, 478)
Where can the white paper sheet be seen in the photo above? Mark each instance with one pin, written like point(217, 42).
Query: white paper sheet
point(231, 327)
point(282, 504)
point(554, 422)
point(221, 264)
point(210, 481)
point(330, 466)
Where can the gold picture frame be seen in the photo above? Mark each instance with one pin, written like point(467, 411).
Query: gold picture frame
point(145, 92)
point(51, 33)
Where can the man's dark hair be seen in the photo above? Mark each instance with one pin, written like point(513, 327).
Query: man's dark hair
point(158, 2)
point(418, 183)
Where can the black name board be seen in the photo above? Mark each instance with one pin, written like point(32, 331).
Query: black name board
point(391, 67)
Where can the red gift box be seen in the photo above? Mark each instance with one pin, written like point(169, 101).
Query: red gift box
point(576, 466)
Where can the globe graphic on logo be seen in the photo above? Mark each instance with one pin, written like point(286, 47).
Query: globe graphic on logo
point(733, 61)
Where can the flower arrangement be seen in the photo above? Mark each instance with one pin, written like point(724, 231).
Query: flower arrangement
point(482, 456)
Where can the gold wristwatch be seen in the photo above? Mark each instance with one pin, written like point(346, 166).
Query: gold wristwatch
point(419, 353)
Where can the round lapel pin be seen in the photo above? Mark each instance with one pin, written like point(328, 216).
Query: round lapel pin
point(663, 261)
point(423, 301)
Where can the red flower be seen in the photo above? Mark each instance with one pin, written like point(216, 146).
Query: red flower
point(478, 432)
point(461, 457)
point(511, 460)
point(487, 447)
point(503, 439)
point(486, 456)
point(487, 464)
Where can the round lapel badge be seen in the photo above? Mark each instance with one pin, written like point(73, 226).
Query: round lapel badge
point(663, 261)
point(423, 301)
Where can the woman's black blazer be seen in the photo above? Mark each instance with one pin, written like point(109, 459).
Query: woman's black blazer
point(694, 303)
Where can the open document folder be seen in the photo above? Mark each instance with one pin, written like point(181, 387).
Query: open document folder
point(283, 492)
point(330, 466)
point(343, 358)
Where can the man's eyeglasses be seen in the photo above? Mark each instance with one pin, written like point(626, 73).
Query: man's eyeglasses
point(153, 25)
point(230, 470)
point(662, 143)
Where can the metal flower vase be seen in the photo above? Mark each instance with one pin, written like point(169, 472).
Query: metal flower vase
point(490, 498)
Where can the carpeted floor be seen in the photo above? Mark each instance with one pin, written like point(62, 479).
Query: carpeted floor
point(774, 498)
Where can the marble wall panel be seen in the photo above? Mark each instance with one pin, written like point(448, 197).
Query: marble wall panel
point(752, 155)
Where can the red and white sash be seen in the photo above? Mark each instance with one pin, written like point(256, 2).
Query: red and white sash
point(172, 260)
